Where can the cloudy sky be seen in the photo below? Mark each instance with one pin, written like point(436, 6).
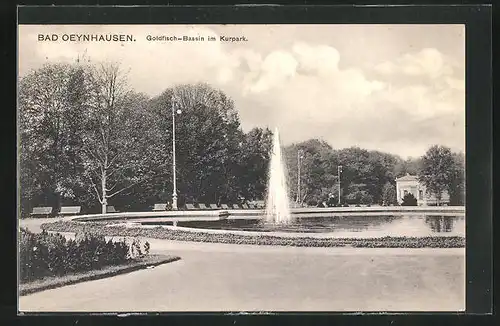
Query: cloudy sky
point(394, 88)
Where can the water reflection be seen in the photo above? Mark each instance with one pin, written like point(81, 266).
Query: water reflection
point(440, 223)
point(369, 226)
point(333, 224)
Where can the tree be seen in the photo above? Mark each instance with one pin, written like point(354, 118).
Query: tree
point(316, 170)
point(254, 163)
point(389, 194)
point(319, 163)
point(456, 188)
point(438, 173)
point(113, 141)
point(409, 200)
point(358, 174)
point(383, 173)
point(366, 199)
point(50, 109)
point(410, 166)
point(355, 193)
point(208, 142)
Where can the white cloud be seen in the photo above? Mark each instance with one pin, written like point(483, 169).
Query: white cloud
point(298, 86)
point(322, 59)
point(427, 62)
point(455, 83)
point(277, 68)
point(386, 67)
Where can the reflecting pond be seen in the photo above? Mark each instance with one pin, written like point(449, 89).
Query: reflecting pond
point(356, 226)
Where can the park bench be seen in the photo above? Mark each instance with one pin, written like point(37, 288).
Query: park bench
point(190, 207)
point(236, 206)
point(244, 206)
point(70, 210)
point(160, 207)
point(202, 206)
point(258, 204)
point(45, 211)
point(224, 206)
point(111, 209)
point(214, 206)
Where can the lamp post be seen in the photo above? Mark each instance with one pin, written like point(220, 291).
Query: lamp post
point(174, 193)
point(339, 171)
point(299, 158)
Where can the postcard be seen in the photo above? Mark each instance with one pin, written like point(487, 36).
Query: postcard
point(241, 167)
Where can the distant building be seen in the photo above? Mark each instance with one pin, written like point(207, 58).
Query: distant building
point(410, 184)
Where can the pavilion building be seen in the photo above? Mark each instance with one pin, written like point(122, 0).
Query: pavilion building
point(410, 184)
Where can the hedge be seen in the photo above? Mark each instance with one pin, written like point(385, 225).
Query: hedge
point(46, 255)
point(231, 238)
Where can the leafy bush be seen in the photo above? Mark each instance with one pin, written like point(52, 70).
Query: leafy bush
point(45, 254)
point(409, 200)
point(366, 199)
point(312, 203)
point(359, 197)
point(389, 194)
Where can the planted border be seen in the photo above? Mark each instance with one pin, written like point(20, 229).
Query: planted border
point(55, 282)
point(229, 238)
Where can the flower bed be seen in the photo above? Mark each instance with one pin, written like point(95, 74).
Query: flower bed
point(179, 235)
point(52, 255)
point(113, 270)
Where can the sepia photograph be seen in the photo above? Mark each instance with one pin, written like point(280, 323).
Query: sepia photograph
point(238, 167)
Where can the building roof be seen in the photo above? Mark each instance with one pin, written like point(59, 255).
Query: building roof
point(408, 177)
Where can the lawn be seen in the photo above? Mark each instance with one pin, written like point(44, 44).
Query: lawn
point(108, 271)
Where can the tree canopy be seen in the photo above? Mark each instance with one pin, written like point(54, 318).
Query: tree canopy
point(87, 138)
point(442, 170)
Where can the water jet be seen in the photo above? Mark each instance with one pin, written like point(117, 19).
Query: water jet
point(277, 206)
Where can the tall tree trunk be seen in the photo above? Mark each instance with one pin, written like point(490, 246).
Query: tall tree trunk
point(58, 200)
point(57, 165)
point(104, 195)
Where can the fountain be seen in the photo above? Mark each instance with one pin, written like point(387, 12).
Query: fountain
point(277, 208)
point(306, 225)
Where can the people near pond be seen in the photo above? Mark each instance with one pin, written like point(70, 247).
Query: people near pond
point(331, 200)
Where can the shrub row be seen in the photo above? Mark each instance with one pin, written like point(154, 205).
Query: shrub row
point(179, 235)
point(44, 255)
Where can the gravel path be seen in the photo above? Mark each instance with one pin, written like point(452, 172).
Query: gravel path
point(219, 277)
